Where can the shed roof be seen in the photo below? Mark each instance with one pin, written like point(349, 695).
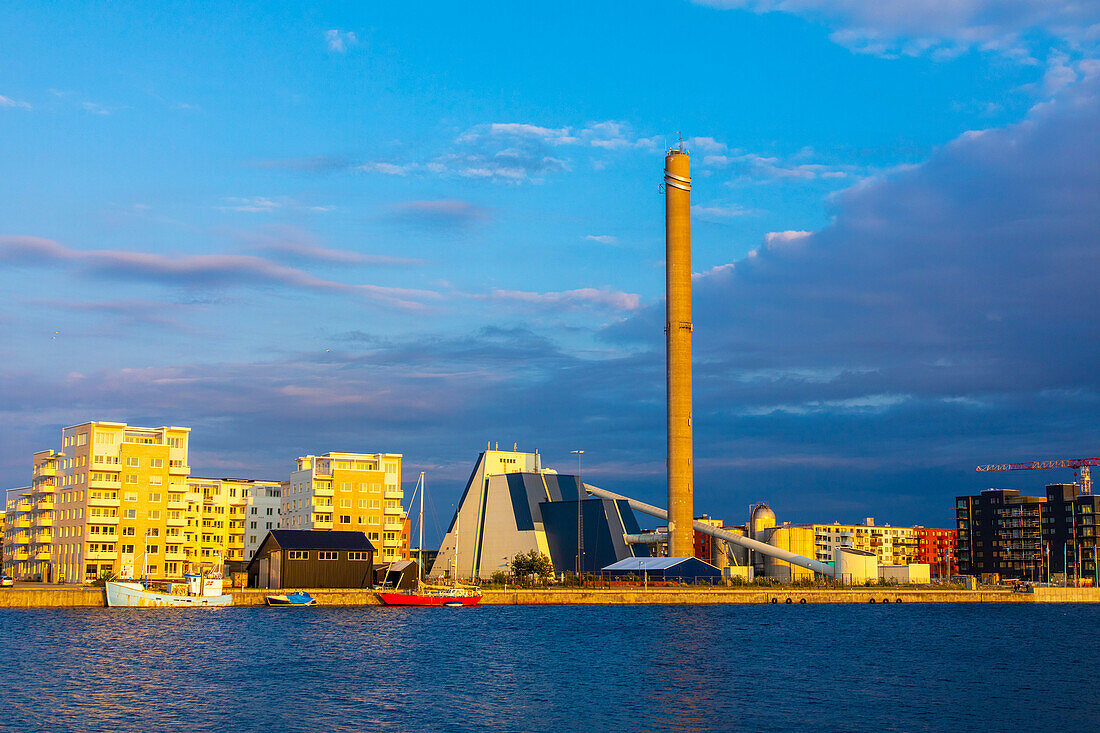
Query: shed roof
point(321, 539)
point(647, 563)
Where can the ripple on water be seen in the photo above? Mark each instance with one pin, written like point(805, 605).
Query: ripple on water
point(834, 668)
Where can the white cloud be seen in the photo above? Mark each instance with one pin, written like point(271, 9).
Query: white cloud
point(941, 29)
point(579, 299)
point(340, 41)
point(602, 238)
point(265, 205)
point(720, 212)
point(13, 103)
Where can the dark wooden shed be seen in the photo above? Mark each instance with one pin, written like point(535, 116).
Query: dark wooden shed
point(302, 558)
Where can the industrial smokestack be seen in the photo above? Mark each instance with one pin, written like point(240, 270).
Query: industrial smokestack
point(678, 328)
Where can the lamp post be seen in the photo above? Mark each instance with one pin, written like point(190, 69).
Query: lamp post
point(580, 516)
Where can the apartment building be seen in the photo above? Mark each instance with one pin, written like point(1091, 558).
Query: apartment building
point(356, 491)
point(17, 537)
point(891, 545)
point(262, 513)
point(218, 517)
point(1000, 531)
point(936, 548)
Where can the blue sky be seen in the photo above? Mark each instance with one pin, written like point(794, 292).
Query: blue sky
point(416, 228)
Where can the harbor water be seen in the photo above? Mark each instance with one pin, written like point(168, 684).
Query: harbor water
point(750, 667)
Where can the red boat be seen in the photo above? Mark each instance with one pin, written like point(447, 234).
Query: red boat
point(426, 595)
point(429, 598)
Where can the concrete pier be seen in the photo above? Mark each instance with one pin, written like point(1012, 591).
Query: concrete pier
point(93, 597)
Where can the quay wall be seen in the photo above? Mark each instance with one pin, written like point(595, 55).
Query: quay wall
point(47, 597)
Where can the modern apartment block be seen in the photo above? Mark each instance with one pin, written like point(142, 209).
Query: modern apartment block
point(1001, 532)
point(1070, 530)
point(891, 545)
point(262, 513)
point(118, 499)
point(218, 525)
point(936, 548)
point(350, 491)
point(17, 532)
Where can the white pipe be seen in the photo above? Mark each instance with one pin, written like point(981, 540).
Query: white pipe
point(761, 547)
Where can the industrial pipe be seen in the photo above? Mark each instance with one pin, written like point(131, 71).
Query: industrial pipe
point(761, 547)
point(651, 538)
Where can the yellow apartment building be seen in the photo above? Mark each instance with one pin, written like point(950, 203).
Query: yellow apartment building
point(892, 545)
point(350, 491)
point(17, 532)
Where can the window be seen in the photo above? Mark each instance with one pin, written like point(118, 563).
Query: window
point(154, 513)
point(131, 478)
point(359, 556)
point(156, 462)
point(153, 549)
point(130, 514)
point(327, 555)
point(345, 503)
point(297, 555)
point(175, 442)
point(373, 535)
point(345, 519)
point(154, 498)
point(344, 486)
point(269, 525)
point(128, 532)
point(104, 439)
point(269, 511)
point(127, 549)
point(132, 461)
point(156, 480)
point(362, 503)
point(374, 520)
point(252, 525)
point(153, 532)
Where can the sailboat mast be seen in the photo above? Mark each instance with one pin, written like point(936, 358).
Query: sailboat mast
point(420, 542)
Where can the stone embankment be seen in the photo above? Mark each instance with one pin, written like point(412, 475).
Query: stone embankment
point(47, 597)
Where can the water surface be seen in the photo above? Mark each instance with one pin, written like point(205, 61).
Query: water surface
point(758, 667)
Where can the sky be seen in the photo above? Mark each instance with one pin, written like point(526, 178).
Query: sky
point(423, 228)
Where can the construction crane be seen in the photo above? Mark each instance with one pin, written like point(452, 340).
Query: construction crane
point(1081, 466)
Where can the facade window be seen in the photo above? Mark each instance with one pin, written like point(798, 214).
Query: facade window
point(269, 511)
point(297, 555)
point(131, 478)
point(359, 556)
point(345, 519)
point(327, 555)
point(130, 514)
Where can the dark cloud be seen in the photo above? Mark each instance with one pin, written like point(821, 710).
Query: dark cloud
point(195, 270)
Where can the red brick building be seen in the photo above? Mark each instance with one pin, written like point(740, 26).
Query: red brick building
point(932, 544)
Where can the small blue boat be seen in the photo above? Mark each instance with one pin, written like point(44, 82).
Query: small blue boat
point(292, 599)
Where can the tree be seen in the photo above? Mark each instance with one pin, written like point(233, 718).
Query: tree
point(532, 563)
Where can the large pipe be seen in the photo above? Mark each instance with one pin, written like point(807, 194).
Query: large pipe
point(651, 538)
point(761, 547)
point(678, 328)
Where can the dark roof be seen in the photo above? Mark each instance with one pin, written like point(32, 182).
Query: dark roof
point(321, 539)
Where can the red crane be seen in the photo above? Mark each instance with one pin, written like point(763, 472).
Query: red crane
point(1082, 464)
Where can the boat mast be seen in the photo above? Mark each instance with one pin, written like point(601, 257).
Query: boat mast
point(420, 542)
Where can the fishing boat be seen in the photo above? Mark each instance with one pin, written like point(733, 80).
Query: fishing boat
point(197, 590)
point(455, 596)
point(292, 599)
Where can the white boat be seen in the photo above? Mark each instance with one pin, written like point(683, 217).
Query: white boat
point(197, 590)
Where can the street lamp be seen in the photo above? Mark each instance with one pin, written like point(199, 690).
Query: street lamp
point(580, 515)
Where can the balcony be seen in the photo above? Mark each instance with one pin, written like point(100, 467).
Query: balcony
point(99, 483)
point(42, 555)
point(19, 555)
point(322, 525)
point(323, 492)
point(102, 501)
point(22, 523)
point(394, 493)
point(102, 520)
point(177, 505)
point(179, 470)
point(321, 508)
point(99, 556)
point(47, 470)
point(179, 522)
point(23, 506)
point(43, 522)
point(391, 543)
point(392, 526)
point(45, 505)
point(393, 510)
